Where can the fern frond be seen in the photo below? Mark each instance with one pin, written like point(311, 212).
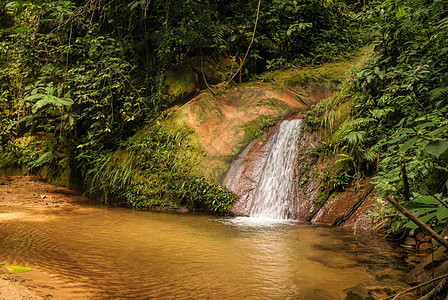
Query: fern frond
point(438, 93)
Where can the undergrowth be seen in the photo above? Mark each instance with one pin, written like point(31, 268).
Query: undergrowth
point(157, 168)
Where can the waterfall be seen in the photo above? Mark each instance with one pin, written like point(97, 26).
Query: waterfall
point(270, 191)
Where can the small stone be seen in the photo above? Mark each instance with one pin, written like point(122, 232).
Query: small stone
point(420, 236)
point(409, 241)
point(43, 196)
point(424, 246)
point(427, 238)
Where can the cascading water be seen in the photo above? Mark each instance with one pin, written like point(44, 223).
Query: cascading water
point(270, 190)
point(272, 197)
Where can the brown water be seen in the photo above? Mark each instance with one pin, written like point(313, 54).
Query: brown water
point(118, 253)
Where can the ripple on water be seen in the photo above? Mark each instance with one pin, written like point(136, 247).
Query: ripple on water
point(123, 254)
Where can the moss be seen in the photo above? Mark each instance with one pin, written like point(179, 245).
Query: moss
point(215, 71)
point(254, 129)
point(181, 80)
point(273, 103)
point(204, 108)
point(307, 78)
point(160, 167)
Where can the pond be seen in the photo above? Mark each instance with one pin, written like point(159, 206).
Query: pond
point(103, 253)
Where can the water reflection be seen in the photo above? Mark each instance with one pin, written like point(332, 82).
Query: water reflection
point(118, 253)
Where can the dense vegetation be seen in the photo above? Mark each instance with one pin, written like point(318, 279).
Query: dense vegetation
point(398, 125)
point(79, 78)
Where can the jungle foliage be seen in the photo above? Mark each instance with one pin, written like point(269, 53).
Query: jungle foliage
point(79, 78)
point(398, 105)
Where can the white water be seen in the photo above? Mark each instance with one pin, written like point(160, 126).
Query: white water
point(275, 190)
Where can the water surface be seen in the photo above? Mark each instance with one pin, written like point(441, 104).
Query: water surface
point(118, 253)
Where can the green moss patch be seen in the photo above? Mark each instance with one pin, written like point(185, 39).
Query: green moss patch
point(273, 103)
point(254, 129)
point(181, 80)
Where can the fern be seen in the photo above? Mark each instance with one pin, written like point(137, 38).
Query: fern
point(438, 93)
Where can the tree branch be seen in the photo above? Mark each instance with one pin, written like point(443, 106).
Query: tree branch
point(417, 221)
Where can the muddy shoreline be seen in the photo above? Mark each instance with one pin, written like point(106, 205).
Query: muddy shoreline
point(27, 197)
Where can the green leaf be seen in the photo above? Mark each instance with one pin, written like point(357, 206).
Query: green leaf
point(425, 125)
point(428, 217)
point(11, 5)
point(44, 158)
point(423, 202)
point(34, 97)
point(401, 11)
point(17, 269)
point(50, 99)
point(437, 148)
point(410, 225)
point(438, 92)
point(442, 213)
point(408, 144)
point(423, 211)
point(39, 104)
point(439, 131)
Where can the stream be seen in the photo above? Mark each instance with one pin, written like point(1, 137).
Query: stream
point(110, 253)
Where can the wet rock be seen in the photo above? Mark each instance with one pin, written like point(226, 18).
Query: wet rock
point(182, 209)
point(353, 295)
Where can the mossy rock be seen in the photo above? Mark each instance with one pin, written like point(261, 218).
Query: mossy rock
point(212, 71)
point(254, 129)
point(181, 81)
point(273, 103)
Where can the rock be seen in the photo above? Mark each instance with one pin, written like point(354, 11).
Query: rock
point(424, 246)
point(182, 81)
point(410, 241)
point(356, 293)
point(182, 209)
point(421, 237)
point(43, 196)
